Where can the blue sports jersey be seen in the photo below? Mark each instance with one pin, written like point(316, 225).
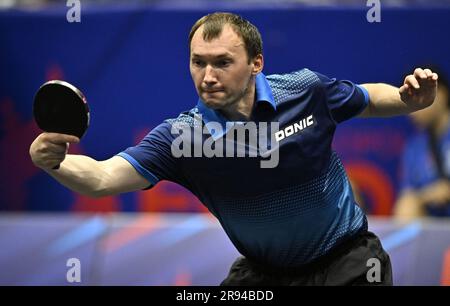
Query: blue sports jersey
point(284, 216)
point(419, 168)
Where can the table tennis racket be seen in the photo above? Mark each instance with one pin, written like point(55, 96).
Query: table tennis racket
point(60, 107)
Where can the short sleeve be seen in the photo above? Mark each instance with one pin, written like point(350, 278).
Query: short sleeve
point(152, 157)
point(345, 99)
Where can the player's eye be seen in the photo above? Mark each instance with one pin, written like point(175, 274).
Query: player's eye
point(223, 63)
point(198, 63)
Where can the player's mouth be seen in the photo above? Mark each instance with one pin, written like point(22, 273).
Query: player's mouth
point(212, 91)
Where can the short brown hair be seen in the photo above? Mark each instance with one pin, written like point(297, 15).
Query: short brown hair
point(213, 26)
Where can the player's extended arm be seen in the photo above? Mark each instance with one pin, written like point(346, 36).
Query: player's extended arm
point(417, 92)
point(81, 173)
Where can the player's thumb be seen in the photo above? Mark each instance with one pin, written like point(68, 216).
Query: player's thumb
point(64, 138)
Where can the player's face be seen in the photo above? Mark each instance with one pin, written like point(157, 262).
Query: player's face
point(426, 117)
point(220, 68)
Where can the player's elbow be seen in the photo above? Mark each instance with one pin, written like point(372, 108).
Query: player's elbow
point(97, 194)
point(102, 187)
point(94, 193)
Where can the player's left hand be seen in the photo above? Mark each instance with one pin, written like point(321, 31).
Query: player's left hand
point(419, 89)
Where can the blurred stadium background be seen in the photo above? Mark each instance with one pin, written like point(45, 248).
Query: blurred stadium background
point(130, 58)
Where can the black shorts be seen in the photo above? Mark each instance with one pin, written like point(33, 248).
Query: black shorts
point(360, 260)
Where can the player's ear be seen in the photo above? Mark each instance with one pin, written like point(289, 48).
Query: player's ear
point(258, 64)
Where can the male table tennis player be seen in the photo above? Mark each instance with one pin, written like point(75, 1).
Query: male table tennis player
point(295, 223)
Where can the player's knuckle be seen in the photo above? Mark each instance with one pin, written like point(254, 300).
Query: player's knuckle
point(42, 149)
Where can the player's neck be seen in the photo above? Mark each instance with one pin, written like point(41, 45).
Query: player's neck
point(242, 109)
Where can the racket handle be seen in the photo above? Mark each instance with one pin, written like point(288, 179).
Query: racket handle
point(56, 167)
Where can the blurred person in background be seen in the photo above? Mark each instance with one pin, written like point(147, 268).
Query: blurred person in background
point(425, 189)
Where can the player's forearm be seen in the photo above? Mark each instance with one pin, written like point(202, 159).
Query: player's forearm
point(81, 174)
point(385, 101)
